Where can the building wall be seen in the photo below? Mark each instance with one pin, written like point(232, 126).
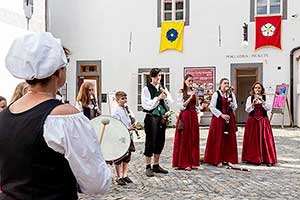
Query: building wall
point(99, 30)
point(13, 24)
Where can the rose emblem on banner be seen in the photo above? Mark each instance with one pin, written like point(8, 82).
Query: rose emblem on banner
point(172, 35)
point(268, 30)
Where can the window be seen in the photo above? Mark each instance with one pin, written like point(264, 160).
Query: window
point(144, 79)
point(88, 68)
point(173, 10)
point(268, 8)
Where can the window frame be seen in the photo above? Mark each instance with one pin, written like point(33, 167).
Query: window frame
point(161, 12)
point(253, 10)
point(144, 72)
point(268, 9)
point(173, 10)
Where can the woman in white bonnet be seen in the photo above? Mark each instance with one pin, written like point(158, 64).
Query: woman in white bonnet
point(45, 147)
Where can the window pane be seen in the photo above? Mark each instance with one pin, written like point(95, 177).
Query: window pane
point(168, 87)
point(261, 2)
point(179, 5)
point(272, 2)
point(167, 78)
point(274, 6)
point(262, 10)
point(168, 6)
point(147, 79)
point(179, 15)
point(246, 72)
point(274, 9)
point(168, 16)
point(162, 79)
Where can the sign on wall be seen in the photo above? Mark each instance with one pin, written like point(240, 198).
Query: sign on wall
point(205, 78)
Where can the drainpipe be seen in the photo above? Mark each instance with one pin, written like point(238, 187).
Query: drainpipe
point(292, 79)
point(46, 15)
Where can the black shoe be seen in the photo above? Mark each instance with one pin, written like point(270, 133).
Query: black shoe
point(149, 172)
point(158, 169)
point(270, 164)
point(120, 181)
point(127, 179)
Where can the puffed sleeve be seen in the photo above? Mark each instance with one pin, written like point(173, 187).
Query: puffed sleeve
point(213, 104)
point(74, 136)
point(116, 114)
point(267, 104)
point(234, 107)
point(249, 106)
point(180, 101)
point(147, 102)
point(169, 100)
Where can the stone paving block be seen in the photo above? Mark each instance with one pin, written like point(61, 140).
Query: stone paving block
point(209, 182)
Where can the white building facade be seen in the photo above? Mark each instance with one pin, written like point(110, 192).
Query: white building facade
point(116, 43)
point(13, 23)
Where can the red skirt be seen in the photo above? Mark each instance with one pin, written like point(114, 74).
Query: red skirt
point(258, 144)
point(221, 147)
point(186, 151)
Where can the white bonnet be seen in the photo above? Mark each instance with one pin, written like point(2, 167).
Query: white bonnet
point(35, 56)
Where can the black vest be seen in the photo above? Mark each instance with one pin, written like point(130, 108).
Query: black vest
point(87, 112)
point(219, 103)
point(265, 114)
point(29, 169)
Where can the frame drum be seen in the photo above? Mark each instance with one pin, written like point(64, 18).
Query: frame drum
point(115, 137)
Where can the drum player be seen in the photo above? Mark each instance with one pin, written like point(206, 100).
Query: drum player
point(123, 114)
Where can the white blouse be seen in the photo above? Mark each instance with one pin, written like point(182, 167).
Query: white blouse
point(213, 104)
point(79, 106)
point(74, 136)
point(150, 104)
point(180, 102)
point(266, 105)
point(121, 114)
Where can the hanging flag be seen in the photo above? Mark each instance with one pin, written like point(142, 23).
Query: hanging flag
point(171, 35)
point(268, 31)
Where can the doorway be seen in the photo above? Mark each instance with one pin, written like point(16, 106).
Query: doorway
point(297, 104)
point(90, 71)
point(243, 77)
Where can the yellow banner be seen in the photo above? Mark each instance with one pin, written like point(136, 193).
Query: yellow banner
point(171, 36)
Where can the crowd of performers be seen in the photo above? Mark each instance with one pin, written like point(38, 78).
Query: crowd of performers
point(49, 150)
point(221, 145)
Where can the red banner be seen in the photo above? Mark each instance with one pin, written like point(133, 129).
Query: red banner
point(268, 31)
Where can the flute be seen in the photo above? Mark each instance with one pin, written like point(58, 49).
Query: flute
point(132, 122)
point(96, 108)
point(257, 98)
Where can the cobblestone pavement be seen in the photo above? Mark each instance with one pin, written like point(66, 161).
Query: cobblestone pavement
point(208, 182)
